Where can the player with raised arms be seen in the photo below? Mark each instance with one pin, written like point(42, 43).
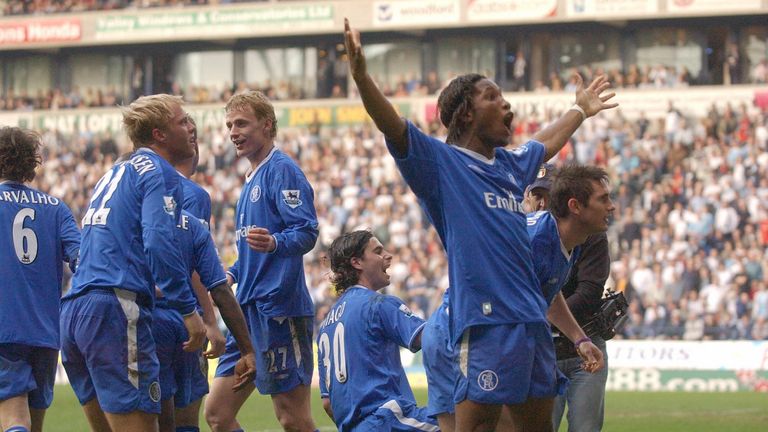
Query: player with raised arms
point(130, 246)
point(39, 234)
point(472, 191)
point(362, 381)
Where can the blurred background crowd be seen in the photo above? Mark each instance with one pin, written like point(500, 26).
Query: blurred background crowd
point(689, 240)
point(407, 85)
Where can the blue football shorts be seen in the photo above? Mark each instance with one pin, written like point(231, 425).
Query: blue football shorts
point(397, 416)
point(284, 358)
point(183, 375)
point(29, 370)
point(167, 330)
point(507, 364)
point(439, 363)
point(191, 377)
point(108, 351)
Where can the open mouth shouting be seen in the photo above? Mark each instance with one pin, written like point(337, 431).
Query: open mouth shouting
point(508, 117)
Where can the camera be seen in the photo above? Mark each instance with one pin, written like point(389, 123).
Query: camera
point(610, 317)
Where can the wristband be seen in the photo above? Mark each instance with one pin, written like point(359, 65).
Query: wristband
point(576, 107)
point(578, 343)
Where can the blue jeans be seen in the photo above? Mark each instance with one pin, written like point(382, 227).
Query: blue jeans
point(585, 395)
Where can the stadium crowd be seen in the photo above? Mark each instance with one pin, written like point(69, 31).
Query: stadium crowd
point(648, 77)
point(688, 242)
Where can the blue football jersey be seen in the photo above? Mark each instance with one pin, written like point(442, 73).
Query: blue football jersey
point(196, 201)
point(359, 354)
point(552, 262)
point(39, 234)
point(130, 239)
point(476, 207)
point(278, 197)
point(199, 253)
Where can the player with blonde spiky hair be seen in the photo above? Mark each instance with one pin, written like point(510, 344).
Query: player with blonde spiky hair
point(129, 247)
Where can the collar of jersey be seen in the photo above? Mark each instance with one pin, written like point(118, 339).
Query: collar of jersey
point(250, 175)
point(145, 149)
point(475, 155)
point(10, 182)
point(565, 252)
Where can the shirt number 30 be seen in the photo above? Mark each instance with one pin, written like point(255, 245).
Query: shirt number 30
point(339, 355)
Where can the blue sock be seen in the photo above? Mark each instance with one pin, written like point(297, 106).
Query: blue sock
point(17, 429)
point(187, 429)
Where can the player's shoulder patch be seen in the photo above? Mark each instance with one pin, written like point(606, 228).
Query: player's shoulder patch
point(404, 309)
point(169, 205)
point(292, 197)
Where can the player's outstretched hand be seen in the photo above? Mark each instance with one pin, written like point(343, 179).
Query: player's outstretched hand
point(216, 342)
point(355, 53)
point(245, 371)
point(591, 356)
point(196, 331)
point(591, 99)
point(260, 240)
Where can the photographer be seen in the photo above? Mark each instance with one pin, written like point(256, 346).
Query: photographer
point(583, 292)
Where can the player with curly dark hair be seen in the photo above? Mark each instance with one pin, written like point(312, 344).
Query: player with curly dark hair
point(362, 381)
point(19, 154)
point(342, 250)
point(38, 233)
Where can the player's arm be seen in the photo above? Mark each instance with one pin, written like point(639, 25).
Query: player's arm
point(322, 372)
point(208, 274)
point(233, 272)
point(230, 311)
point(212, 332)
point(591, 100)
point(70, 238)
point(594, 267)
point(379, 108)
point(399, 324)
point(163, 255)
point(327, 407)
point(416, 342)
point(559, 315)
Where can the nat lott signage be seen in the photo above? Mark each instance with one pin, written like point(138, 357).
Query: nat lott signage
point(212, 116)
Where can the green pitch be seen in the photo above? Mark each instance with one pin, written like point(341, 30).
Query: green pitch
point(625, 412)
